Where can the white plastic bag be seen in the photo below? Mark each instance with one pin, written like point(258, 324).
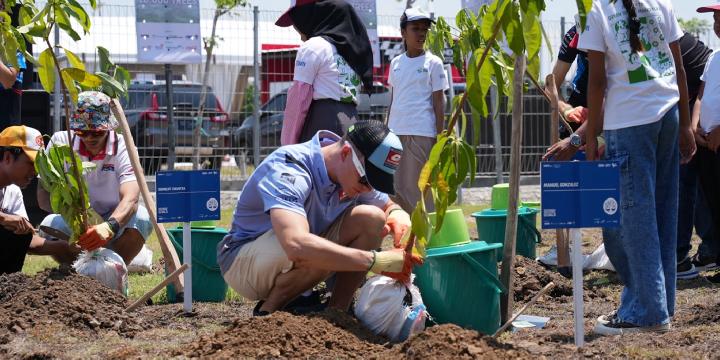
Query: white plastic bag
point(142, 263)
point(389, 308)
point(598, 260)
point(105, 266)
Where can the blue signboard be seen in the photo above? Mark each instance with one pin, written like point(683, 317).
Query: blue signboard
point(184, 196)
point(580, 194)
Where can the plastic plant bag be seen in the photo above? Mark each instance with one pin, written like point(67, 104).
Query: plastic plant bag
point(389, 308)
point(142, 263)
point(105, 266)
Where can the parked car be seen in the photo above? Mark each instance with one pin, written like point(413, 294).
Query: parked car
point(370, 107)
point(146, 112)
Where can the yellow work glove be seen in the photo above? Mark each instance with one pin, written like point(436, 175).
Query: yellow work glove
point(96, 237)
point(396, 263)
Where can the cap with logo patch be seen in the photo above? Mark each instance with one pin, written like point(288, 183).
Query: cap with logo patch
point(381, 149)
point(25, 137)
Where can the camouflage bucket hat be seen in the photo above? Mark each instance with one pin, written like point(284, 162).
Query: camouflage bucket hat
point(93, 112)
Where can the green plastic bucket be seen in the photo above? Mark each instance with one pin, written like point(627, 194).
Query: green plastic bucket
point(491, 229)
point(532, 204)
point(459, 285)
point(454, 230)
point(208, 283)
point(499, 196)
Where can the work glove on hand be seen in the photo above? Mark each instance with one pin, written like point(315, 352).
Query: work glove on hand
point(396, 263)
point(577, 114)
point(398, 222)
point(96, 236)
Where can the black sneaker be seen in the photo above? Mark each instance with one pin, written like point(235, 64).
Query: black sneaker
point(686, 270)
point(704, 263)
point(257, 312)
point(617, 327)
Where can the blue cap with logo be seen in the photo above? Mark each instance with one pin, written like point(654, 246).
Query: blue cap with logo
point(382, 151)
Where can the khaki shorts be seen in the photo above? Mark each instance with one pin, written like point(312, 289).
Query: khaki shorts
point(259, 262)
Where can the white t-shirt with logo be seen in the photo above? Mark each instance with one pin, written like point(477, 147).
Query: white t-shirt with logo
point(710, 105)
point(12, 201)
point(104, 182)
point(318, 63)
point(413, 81)
point(641, 87)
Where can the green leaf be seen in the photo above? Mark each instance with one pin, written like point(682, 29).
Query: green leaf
point(78, 12)
point(584, 7)
point(533, 67)
point(70, 85)
point(114, 86)
point(432, 161)
point(46, 71)
point(105, 63)
point(531, 29)
point(74, 60)
point(512, 27)
point(494, 14)
point(420, 227)
point(83, 77)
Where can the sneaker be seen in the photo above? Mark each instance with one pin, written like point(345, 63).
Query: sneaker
point(686, 270)
point(617, 327)
point(704, 263)
point(604, 319)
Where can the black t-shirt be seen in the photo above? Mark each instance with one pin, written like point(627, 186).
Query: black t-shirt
point(569, 53)
point(694, 56)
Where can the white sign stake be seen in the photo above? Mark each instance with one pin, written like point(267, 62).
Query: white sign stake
point(187, 259)
point(577, 268)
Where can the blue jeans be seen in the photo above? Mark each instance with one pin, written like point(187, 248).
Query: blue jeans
point(643, 247)
point(693, 211)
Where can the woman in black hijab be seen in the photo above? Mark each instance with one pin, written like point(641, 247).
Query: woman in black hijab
point(331, 65)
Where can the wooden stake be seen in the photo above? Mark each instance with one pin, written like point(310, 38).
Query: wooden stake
point(171, 258)
point(174, 275)
point(532, 301)
point(506, 300)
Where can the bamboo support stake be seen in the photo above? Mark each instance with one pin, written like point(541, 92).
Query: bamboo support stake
point(174, 275)
point(532, 301)
point(172, 261)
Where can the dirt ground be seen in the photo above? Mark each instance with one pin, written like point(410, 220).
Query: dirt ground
point(62, 315)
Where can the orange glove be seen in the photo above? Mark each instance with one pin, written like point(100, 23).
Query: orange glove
point(96, 237)
point(576, 114)
point(397, 263)
point(398, 223)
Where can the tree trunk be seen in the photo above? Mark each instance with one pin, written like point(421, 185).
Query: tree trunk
point(506, 275)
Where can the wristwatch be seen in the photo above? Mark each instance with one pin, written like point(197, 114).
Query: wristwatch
point(575, 140)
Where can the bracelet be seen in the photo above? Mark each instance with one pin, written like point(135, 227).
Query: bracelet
point(374, 258)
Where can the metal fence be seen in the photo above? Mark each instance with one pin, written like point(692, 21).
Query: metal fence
point(227, 135)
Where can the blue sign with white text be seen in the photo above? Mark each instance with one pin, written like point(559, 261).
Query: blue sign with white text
point(184, 196)
point(580, 194)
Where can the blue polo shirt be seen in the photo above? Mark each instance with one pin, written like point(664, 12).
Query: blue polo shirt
point(294, 178)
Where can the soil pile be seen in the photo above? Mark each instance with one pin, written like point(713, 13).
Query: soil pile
point(330, 335)
point(531, 276)
point(62, 296)
point(453, 342)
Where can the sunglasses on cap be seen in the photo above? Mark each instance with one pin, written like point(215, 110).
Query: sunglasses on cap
point(360, 169)
point(90, 133)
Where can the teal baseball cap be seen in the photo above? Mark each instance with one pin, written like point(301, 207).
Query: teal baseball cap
point(382, 151)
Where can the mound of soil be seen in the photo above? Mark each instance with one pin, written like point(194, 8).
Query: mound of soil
point(330, 334)
point(61, 296)
point(531, 276)
point(453, 342)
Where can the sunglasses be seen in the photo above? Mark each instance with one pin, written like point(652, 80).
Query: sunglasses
point(90, 133)
point(360, 169)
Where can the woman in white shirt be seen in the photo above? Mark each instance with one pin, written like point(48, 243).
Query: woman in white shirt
point(637, 77)
point(331, 65)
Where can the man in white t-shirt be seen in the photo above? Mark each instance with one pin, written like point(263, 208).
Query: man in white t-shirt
point(112, 186)
point(18, 147)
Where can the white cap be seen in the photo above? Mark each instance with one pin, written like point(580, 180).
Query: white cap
point(415, 14)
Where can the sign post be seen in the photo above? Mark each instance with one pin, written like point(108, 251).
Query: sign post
point(576, 195)
point(185, 196)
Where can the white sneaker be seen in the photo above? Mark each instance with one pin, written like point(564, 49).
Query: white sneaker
point(616, 327)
